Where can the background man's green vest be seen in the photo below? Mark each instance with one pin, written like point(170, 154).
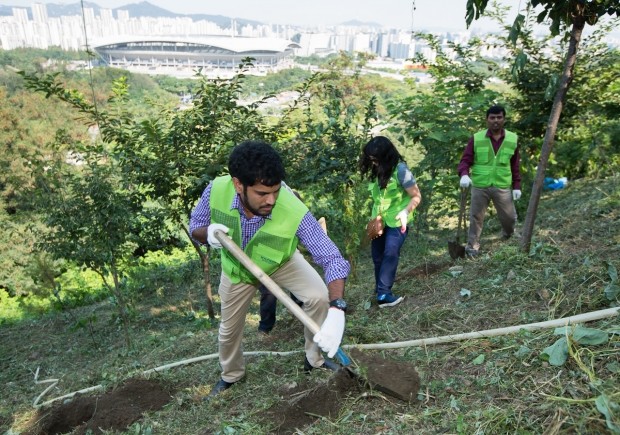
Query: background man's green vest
point(491, 169)
point(390, 201)
point(272, 245)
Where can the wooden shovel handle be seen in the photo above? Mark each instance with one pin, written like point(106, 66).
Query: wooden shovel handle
point(274, 288)
point(461, 214)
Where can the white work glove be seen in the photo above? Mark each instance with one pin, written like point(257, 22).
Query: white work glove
point(215, 243)
point(332, 329)
point(402, 218)
point(516, 194)
point(465, 181)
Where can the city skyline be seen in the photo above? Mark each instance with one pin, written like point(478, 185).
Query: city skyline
point(428, 14)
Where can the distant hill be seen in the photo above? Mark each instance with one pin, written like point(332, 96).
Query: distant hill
point(142, 9)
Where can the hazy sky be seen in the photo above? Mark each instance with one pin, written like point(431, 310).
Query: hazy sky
point(429, 14)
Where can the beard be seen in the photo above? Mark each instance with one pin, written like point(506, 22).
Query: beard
point(255, 211)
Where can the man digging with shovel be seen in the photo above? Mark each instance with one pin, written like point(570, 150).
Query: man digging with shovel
point(263, 216)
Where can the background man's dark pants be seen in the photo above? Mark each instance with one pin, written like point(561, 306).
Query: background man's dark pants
point(267, 310)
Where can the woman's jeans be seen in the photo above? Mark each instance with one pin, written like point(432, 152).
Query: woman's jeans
point(385, 251)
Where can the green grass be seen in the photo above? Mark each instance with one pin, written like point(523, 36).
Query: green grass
point(484, 386)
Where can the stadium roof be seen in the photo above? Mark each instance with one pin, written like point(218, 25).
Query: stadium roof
point(237, 45)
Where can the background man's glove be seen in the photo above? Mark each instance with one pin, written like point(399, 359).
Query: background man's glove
point(215, 243)
point(516, 194)
point(402, 219)
point(330, 335)
point(465, 181)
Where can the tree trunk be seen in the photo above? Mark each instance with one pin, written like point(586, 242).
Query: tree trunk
point(552, 126)
point(122, 305)
point(204, 261)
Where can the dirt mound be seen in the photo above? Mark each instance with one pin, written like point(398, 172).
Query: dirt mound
point(396, 378)
point(114, 410)
point(302, 407)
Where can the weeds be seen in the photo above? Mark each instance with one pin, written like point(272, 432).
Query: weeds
point(484, 386)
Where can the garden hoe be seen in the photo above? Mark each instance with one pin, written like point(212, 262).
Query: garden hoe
point(455, 248)
point(307, 321)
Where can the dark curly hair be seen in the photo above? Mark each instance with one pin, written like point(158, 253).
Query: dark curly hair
point(496, 110)
point(254, 161)
point(382, 151)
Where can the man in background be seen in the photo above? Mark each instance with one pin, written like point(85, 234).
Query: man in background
point(490, 164)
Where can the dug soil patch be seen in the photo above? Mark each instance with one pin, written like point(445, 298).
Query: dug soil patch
point(114, 410)
point(397, 378)
point(423, 271)
point(302, 407)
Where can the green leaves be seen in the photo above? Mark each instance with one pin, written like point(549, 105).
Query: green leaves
point(518, 65)
point(612, 290)
point(611, 411)
point(583, 335)
point(478, 360)
point(558, 352)
point(569, 12)
point(515, 30)
point(552, 87)
point(474, 9)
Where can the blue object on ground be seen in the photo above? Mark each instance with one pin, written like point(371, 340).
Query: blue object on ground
point(554, 183)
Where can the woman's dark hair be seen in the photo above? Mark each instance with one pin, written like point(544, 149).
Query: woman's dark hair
point(254, 162)
point(382, 151)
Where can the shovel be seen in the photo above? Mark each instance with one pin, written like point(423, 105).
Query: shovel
point(455, 248)
point(275, 289)
point(404, 388)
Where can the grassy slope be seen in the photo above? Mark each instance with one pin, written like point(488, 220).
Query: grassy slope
point(511, 391)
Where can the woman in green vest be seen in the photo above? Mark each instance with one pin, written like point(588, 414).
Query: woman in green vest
point(395, 196)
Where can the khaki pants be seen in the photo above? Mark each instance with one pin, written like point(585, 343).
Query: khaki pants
point(506, 212)
point(297, 276)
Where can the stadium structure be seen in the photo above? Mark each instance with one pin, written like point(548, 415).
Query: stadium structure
point(184, 56)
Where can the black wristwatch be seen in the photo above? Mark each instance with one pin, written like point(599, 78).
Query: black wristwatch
point(339, 303)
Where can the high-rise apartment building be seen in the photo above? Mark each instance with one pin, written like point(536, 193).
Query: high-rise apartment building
point(20, 15)
point(39, 13)
point(122, 15)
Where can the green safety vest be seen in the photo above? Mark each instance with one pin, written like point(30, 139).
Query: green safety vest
point(272, 245)
point(491, 169)
point(389, 201)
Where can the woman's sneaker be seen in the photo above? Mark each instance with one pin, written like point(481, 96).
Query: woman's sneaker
point(388, 300)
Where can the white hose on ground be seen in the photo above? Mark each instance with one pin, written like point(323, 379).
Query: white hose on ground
point(53, 383)
point(572, 320)
point(66, 396)
point(212, 356)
